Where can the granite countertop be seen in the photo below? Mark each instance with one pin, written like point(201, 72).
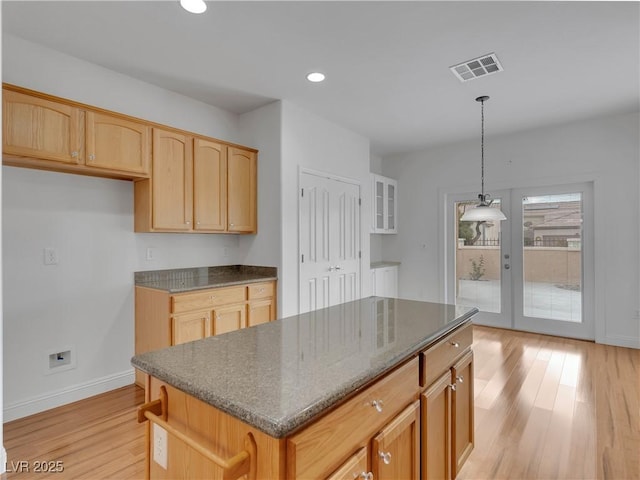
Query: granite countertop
point(279, 376)
point(187, 279)
point(383, 263)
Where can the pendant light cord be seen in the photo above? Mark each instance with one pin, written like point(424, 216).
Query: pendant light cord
point(482, 146)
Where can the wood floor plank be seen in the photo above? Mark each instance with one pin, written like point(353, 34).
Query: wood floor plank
point(546, 408)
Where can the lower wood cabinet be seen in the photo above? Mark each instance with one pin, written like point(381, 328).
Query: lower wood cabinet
point(163, 319)
point(447, 408)
point(393, 454)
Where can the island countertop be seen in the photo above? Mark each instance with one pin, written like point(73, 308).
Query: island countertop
point(282, 375)
point(199, 278)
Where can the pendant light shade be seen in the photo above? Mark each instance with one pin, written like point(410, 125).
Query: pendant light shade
point(483, 211)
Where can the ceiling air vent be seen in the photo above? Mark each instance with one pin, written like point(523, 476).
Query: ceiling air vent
point(478, 67)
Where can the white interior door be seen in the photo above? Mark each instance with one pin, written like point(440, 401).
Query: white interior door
point(533, 271)
point(329, 241)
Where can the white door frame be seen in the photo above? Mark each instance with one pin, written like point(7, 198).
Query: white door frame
point(330, 176)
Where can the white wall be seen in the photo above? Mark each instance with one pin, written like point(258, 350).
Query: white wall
point(86, 301)
point(605, 150)
point(309, 141)
point(261, 128)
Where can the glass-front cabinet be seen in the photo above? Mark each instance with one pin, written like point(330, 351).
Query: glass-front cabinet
point(385, 204)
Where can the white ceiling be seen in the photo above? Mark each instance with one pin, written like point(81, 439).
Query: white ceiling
point(386, 62)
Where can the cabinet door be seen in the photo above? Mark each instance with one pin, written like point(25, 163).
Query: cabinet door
point(391, 208)
point(115, 143)
point(436, 430)
point(356, 467)
point(462, 415)
point(189, 327)
point(172, 180)
point(395, 451)
point(378, 204)
point(209, 185)
point(229, 318)
point(261, 311)
point(39, 128)
point(242, 190)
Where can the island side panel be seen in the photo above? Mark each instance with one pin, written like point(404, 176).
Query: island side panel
point(219, 432)
point(152, 323)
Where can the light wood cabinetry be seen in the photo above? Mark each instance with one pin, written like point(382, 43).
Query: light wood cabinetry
point(447, 405)
point(209, 185)
point(395, 428)
point(322, 447)
point(242, 190)
point(163, 319)
point(197, 185)
point(183, 182)
point(385, 204)
point(42, 131)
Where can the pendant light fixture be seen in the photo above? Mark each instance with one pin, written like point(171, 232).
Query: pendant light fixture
point(483, 211)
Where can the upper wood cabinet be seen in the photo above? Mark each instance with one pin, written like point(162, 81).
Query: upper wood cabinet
point(209, 185)
point(242, 185)
point(197, 185)
point(40, 131)
point(172, 181)
point(39, 128)
point(116, 143)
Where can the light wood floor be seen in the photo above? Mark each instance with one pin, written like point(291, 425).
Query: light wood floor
point(546, 408)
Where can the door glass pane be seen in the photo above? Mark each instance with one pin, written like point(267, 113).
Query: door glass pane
point(552, 256)
point(478, 261)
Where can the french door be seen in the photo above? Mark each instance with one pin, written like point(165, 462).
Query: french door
point(533, 271)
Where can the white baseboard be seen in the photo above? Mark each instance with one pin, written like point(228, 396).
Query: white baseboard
point(70, 394)
point(622, 341)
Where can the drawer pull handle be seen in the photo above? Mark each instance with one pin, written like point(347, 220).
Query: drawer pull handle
point(453, 387)
point(366, 476)
point(377, 404)
point(455, 344)
point(261, 290)
point(386, 457)
point(460, 378)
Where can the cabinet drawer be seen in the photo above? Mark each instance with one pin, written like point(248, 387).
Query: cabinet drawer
point(438, 358)
point(207, 298)
point(321, 447)
point(261, 290)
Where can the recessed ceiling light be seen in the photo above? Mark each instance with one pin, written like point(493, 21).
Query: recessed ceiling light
point(315, 77)
point(194, 6)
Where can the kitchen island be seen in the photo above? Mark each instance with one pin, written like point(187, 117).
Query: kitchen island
point(326, 394)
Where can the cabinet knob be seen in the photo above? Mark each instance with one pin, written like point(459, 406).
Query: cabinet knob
point(455, 344)
point(197, 223)
point(366, 475)
point(74, 154)
point(338, 267)
point(460, 379)
point(377, 404)
point(260, 290)
point(231, 225)
point(188, 222)
point(386, 457)
point(453, 387)
point(211, 297)
point(92, 157)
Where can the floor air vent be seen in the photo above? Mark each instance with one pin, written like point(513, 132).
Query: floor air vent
point(477, 67)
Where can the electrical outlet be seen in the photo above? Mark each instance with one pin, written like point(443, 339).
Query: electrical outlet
point(50, 256)
point(151, 253)
point(160, 445)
